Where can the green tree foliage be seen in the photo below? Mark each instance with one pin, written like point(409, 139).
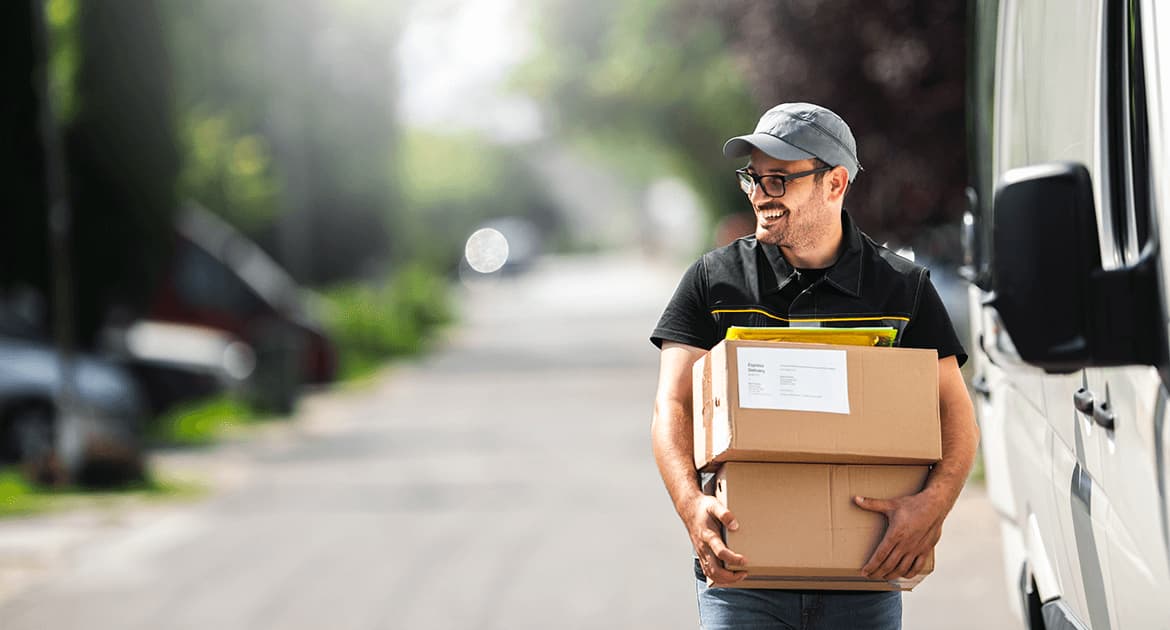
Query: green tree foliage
point(64, 55)
point(649, 84)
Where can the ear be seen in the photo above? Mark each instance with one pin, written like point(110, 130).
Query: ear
point(836, 183)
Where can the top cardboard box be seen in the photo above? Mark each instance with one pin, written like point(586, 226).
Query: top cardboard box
point(759, 401)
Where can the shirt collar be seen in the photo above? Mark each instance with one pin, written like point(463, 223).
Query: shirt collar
point(845, 274)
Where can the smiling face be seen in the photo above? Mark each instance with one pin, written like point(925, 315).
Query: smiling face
point(808, 212)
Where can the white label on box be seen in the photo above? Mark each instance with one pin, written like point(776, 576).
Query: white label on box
point(795, 379)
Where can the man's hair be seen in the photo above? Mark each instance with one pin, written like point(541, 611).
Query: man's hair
point(819, 177)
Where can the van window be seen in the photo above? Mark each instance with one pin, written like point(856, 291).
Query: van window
point(1138, 134)
point(1129, 174)
point(981, 131)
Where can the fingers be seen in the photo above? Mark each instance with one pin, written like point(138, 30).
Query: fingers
point(874, 505)
point(723, 515)
point(901, 556)
point(715, 571)
point(720, 551)
point(896, 557)
point(879, 557)
point(888, 569)
point(917, 567)
point(712, 551)
point(903, 568)
point(715, 542)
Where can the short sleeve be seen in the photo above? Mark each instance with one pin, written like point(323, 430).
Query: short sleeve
point(931, 326)
point(686, 318)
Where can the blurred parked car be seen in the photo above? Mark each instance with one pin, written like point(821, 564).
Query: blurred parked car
point(220, 279)
point(176, 363)
point(96, 439)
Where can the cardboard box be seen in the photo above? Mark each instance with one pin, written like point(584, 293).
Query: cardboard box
point(797, 402)
point(799, 527)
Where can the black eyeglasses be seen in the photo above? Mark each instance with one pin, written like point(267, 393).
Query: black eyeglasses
point(773, 185)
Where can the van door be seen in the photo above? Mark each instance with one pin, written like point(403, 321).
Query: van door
point(1045, 115)
point(1083, 509)
point(1062, 112)
point(1128, 416)
point(1022, 122)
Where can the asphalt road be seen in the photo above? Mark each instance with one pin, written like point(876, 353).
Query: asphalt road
point(503, 482)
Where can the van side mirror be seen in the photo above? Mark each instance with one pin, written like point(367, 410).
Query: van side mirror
point(1062, 310)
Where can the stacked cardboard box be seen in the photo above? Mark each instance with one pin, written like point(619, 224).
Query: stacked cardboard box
point(793, 431)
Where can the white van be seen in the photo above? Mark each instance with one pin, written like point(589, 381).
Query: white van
point(1070, 148)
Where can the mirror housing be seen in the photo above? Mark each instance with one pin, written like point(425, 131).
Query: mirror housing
point(1062, 310)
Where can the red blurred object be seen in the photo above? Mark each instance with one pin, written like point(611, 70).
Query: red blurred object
point(219, 278)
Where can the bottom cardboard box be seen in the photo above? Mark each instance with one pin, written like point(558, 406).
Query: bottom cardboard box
point(799, 527)
point(820, 584)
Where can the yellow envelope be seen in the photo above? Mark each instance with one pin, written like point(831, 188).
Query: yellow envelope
point(843, 336)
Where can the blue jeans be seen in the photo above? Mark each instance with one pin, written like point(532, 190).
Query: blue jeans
point(765, 609)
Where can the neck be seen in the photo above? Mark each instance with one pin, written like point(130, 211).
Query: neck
point(817, 255)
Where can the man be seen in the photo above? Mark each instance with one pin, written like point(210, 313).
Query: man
point(806, 265)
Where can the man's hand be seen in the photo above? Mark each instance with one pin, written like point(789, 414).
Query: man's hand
point(915, 521)
point(704, 522)
point(915, 526)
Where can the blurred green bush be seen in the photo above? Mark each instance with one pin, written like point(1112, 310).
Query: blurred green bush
point(371, 324)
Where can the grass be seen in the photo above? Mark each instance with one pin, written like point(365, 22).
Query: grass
point(202, 422)
point(19, 497)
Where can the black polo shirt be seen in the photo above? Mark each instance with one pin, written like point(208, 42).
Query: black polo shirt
point(748, 283)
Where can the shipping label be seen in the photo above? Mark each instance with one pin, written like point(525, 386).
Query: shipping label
point(794, 379)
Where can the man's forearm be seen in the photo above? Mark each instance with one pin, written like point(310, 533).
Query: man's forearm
point(960, 437)
point(673, 442)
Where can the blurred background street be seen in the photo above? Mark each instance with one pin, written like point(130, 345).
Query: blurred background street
point(320, 313)
point(504, 482)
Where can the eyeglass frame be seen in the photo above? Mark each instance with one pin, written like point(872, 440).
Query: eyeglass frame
point(757, 180)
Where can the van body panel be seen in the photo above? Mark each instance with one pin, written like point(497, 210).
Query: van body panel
point(1076, 463)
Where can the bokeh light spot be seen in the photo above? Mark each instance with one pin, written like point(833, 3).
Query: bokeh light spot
point(486, 250)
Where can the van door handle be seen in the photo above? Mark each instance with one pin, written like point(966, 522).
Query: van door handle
point(1103, 416)
point(1083, 401)
point(979, 384)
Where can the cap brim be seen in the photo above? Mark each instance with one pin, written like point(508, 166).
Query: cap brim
point(741, 146)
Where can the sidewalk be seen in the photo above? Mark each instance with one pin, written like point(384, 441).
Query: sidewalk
point(33, 546)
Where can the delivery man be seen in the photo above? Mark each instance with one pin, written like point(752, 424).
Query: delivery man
point(806, 265)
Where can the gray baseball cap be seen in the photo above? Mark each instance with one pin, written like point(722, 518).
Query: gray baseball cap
point(800, 131)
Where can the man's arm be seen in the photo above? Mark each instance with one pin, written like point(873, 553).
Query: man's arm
point(673, 439)
point(915, 522)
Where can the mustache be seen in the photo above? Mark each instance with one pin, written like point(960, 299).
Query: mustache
point(771, 206)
